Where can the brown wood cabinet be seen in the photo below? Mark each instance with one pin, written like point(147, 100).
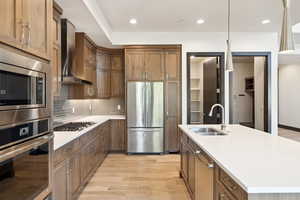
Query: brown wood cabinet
point(117, 74)
point(103, 84)
point(85, 68)
point(75, 163)
point(160, 63)
point(118, 136)
point(135, 65)
point(26, 25)
point(56, 50)
point(203, 178)
point(172, 98)
point(154, 66)
point(60, 186)
point(11, 20)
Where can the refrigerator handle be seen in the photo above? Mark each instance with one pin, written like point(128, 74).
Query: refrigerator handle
point(145, 104)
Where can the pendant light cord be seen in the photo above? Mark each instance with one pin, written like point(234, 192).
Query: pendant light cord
point(229, 13)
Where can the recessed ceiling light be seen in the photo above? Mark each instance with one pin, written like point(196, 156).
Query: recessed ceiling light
point(266, 21)
point(200, 21)
point(133, 21)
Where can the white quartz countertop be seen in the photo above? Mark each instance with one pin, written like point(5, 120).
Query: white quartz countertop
point(63, 137)
point(257, 161)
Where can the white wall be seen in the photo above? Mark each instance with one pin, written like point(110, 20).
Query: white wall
point(210, 42)
point(289, 95)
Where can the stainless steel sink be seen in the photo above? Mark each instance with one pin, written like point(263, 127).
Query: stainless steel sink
point(207, 131)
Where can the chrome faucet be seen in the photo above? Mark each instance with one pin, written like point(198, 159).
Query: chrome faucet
point(223, 125)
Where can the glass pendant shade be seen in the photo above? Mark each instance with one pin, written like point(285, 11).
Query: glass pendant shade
point(287, 39)
point(229, 59)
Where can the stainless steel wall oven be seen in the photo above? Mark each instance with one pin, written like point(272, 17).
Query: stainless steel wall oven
point(24, 88)
point(26, 140)
point(25, 160)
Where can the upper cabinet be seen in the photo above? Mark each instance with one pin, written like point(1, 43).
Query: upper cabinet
point(11, 22)
point(56, 50)
point(26, 24)
point(144, 64)
point(172, 65)
point(154, 66)
point(135, 64)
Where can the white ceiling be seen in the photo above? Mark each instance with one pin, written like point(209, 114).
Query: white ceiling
point(77, 12)
point(181, 15)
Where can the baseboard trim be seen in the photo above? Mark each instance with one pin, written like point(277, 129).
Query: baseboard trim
point(289, 127)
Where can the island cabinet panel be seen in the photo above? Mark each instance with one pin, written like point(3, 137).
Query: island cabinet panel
point(229, 184)
point(222, 194)
point(76, 162)
point(117, 136)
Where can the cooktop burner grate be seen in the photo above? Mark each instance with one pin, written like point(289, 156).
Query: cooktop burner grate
point(74, 126)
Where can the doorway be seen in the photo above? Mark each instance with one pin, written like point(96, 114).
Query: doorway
point(205, 78)
point(249, 90)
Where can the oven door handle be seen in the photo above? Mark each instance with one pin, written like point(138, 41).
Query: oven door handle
point(26, 146)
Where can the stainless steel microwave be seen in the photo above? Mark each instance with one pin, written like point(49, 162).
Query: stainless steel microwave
point(24, 88)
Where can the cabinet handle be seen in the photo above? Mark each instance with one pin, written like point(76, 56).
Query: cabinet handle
point(222, 196)
point(23, 26)
point(210, 165)
point(29, 34)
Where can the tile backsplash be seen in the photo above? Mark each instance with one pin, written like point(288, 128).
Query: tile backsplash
point(63, 107)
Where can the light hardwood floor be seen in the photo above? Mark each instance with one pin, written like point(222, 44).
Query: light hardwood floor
point(293, 135)
point(137, 177)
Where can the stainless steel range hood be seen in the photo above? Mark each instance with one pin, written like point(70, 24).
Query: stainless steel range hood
point(68, 54)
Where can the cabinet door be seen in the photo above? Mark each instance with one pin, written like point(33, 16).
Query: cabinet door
point(191, 171)
point(184, 161)
point(154, 68)
point(117, 62)
point(56, 54)
point(36, 15)
point(173, 113)
point(103, 83)
point(117, 84)
point(172, 65)
point(11, 22)
point(60, 184)
point(221, 193)
point(74, 178)
point(135, 65)
point(117, 135)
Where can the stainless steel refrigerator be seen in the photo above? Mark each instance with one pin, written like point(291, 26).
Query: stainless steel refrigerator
point(145, 117)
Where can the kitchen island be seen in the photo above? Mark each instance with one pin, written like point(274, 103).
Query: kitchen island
point(246, 164)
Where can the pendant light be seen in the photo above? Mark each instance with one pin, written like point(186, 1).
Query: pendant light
point(229, 61)
point(287, 39)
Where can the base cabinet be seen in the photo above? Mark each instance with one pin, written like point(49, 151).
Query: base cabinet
point(76, 162)
point(204, 179)
point(60, 189)
point(118, 136)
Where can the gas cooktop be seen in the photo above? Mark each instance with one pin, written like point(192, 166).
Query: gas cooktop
point(74, 126)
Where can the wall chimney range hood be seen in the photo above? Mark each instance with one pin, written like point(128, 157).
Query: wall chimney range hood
point(68, 54)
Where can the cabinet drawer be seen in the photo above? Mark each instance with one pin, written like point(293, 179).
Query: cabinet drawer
point(88, 137)
point(66, 151)
point(184, 138)
point(222, 193)
point(231, 185)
